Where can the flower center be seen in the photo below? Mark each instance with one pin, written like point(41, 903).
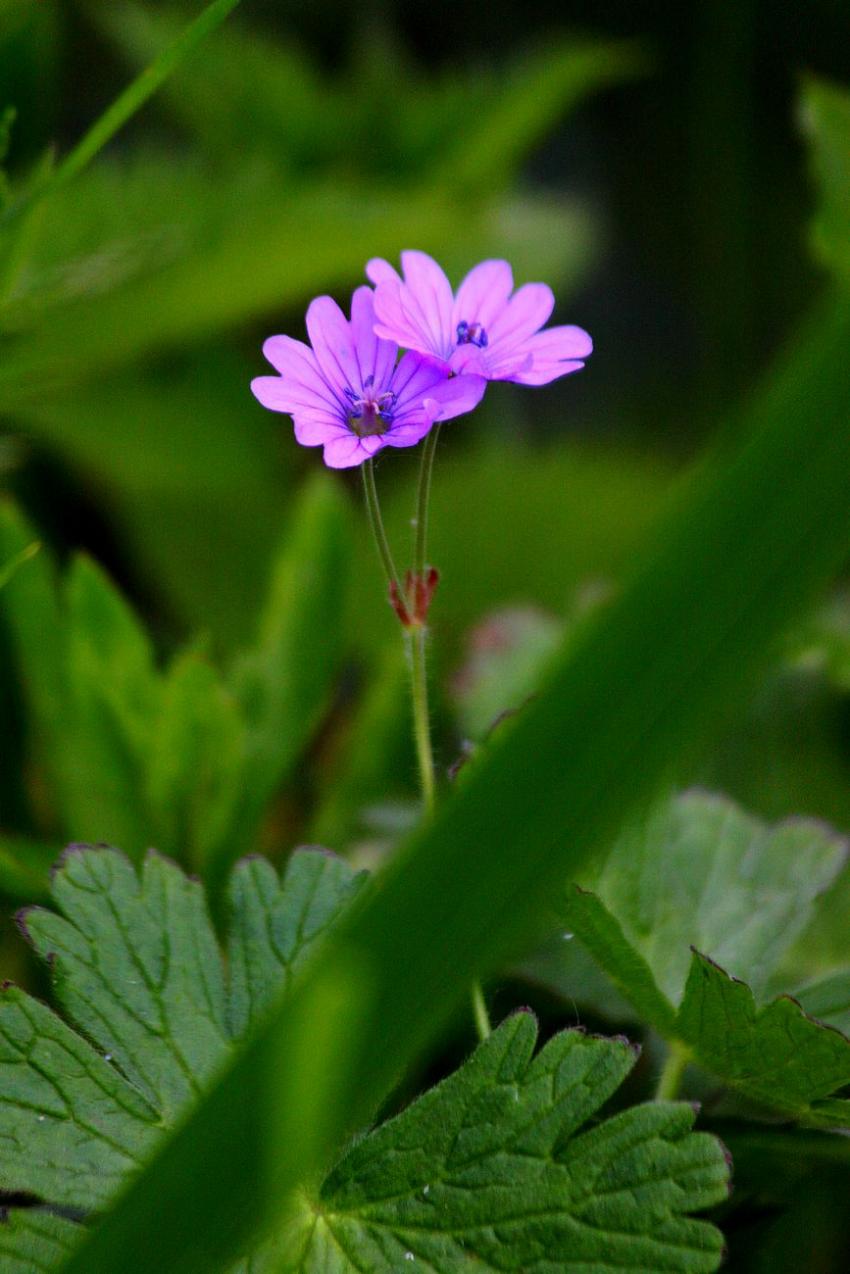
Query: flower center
point(471, 334)
point(370, 413)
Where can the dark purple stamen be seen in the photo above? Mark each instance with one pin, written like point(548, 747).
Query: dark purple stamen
point(369, 414)
point(471, 334)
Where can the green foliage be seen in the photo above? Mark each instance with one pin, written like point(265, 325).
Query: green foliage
point(700, 872)
point(185, 758)
point(504, 666)
point(283, 683)
point(472, 134)
point(490, 1170)
point(114, 276)
point(626, 704)
point(700, 885)
point(825, 111)
point(33, 1242)
point(138, 973)
point(828, 999)
point(776, 1055)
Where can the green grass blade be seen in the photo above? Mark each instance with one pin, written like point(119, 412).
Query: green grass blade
point(750, 540)
point(128, 103)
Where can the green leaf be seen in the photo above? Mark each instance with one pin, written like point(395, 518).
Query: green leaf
point(259, 92)
point(138, 972)
point(196, 766)
point(699, 882)
point(776, 1055)
point(505, 664)
point(9, 569)
point(603, 936)
point(30, 610)
point(700, 872)
point(169, 481)
point(825, 111)
point(113, 698)
point(489, 150)
point(231, 269)
point(828, 999)
point(356, 776)
point(630, 701)
point(34, 1242)
point(275, 925)
point(489, 1170)
point(285, 681)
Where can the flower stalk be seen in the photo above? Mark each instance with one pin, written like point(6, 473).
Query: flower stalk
point(411, 603)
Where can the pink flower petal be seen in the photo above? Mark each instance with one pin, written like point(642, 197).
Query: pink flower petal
point(333, 345)
point(544, 373)
point(278, 394)
point(375, 356)
point(392, 321)
point(427, 297)
point(555, 352)
point(528, 309)
point(408, 434)
point(312, 430)
point(300, 373)
point(455, 397)
point(415, 378)
point(346, 450)
point(483, 294)
point(380, 271)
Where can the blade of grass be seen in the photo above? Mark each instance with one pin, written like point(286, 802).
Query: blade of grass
point(125, 106)
point(746, 546)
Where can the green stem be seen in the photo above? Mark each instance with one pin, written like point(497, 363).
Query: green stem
point(419, 682)
point(376, 522)
point(670, 1079)
point(418, 664)
point(423, 497)
point(479, 1012)
point(415, 640)
point(421, 721)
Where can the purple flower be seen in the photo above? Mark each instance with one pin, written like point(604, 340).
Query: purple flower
point(347, 393)
point(481, 329)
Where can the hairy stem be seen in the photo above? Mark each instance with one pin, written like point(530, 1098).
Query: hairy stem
point(421, 720)
point(423, 497)
point(376, 523)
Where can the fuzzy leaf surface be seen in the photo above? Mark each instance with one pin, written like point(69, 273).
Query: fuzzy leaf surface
point(702, 885)
point(34, 1242)
point(490, 1171)
point(138, 972)
point(490, 1167)
point(775, 1054)
point(701, 872)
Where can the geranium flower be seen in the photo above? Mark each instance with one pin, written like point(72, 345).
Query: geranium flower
point(348, 395)
point(483, 328)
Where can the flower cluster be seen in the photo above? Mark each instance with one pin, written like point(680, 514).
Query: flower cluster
point(349, 392)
